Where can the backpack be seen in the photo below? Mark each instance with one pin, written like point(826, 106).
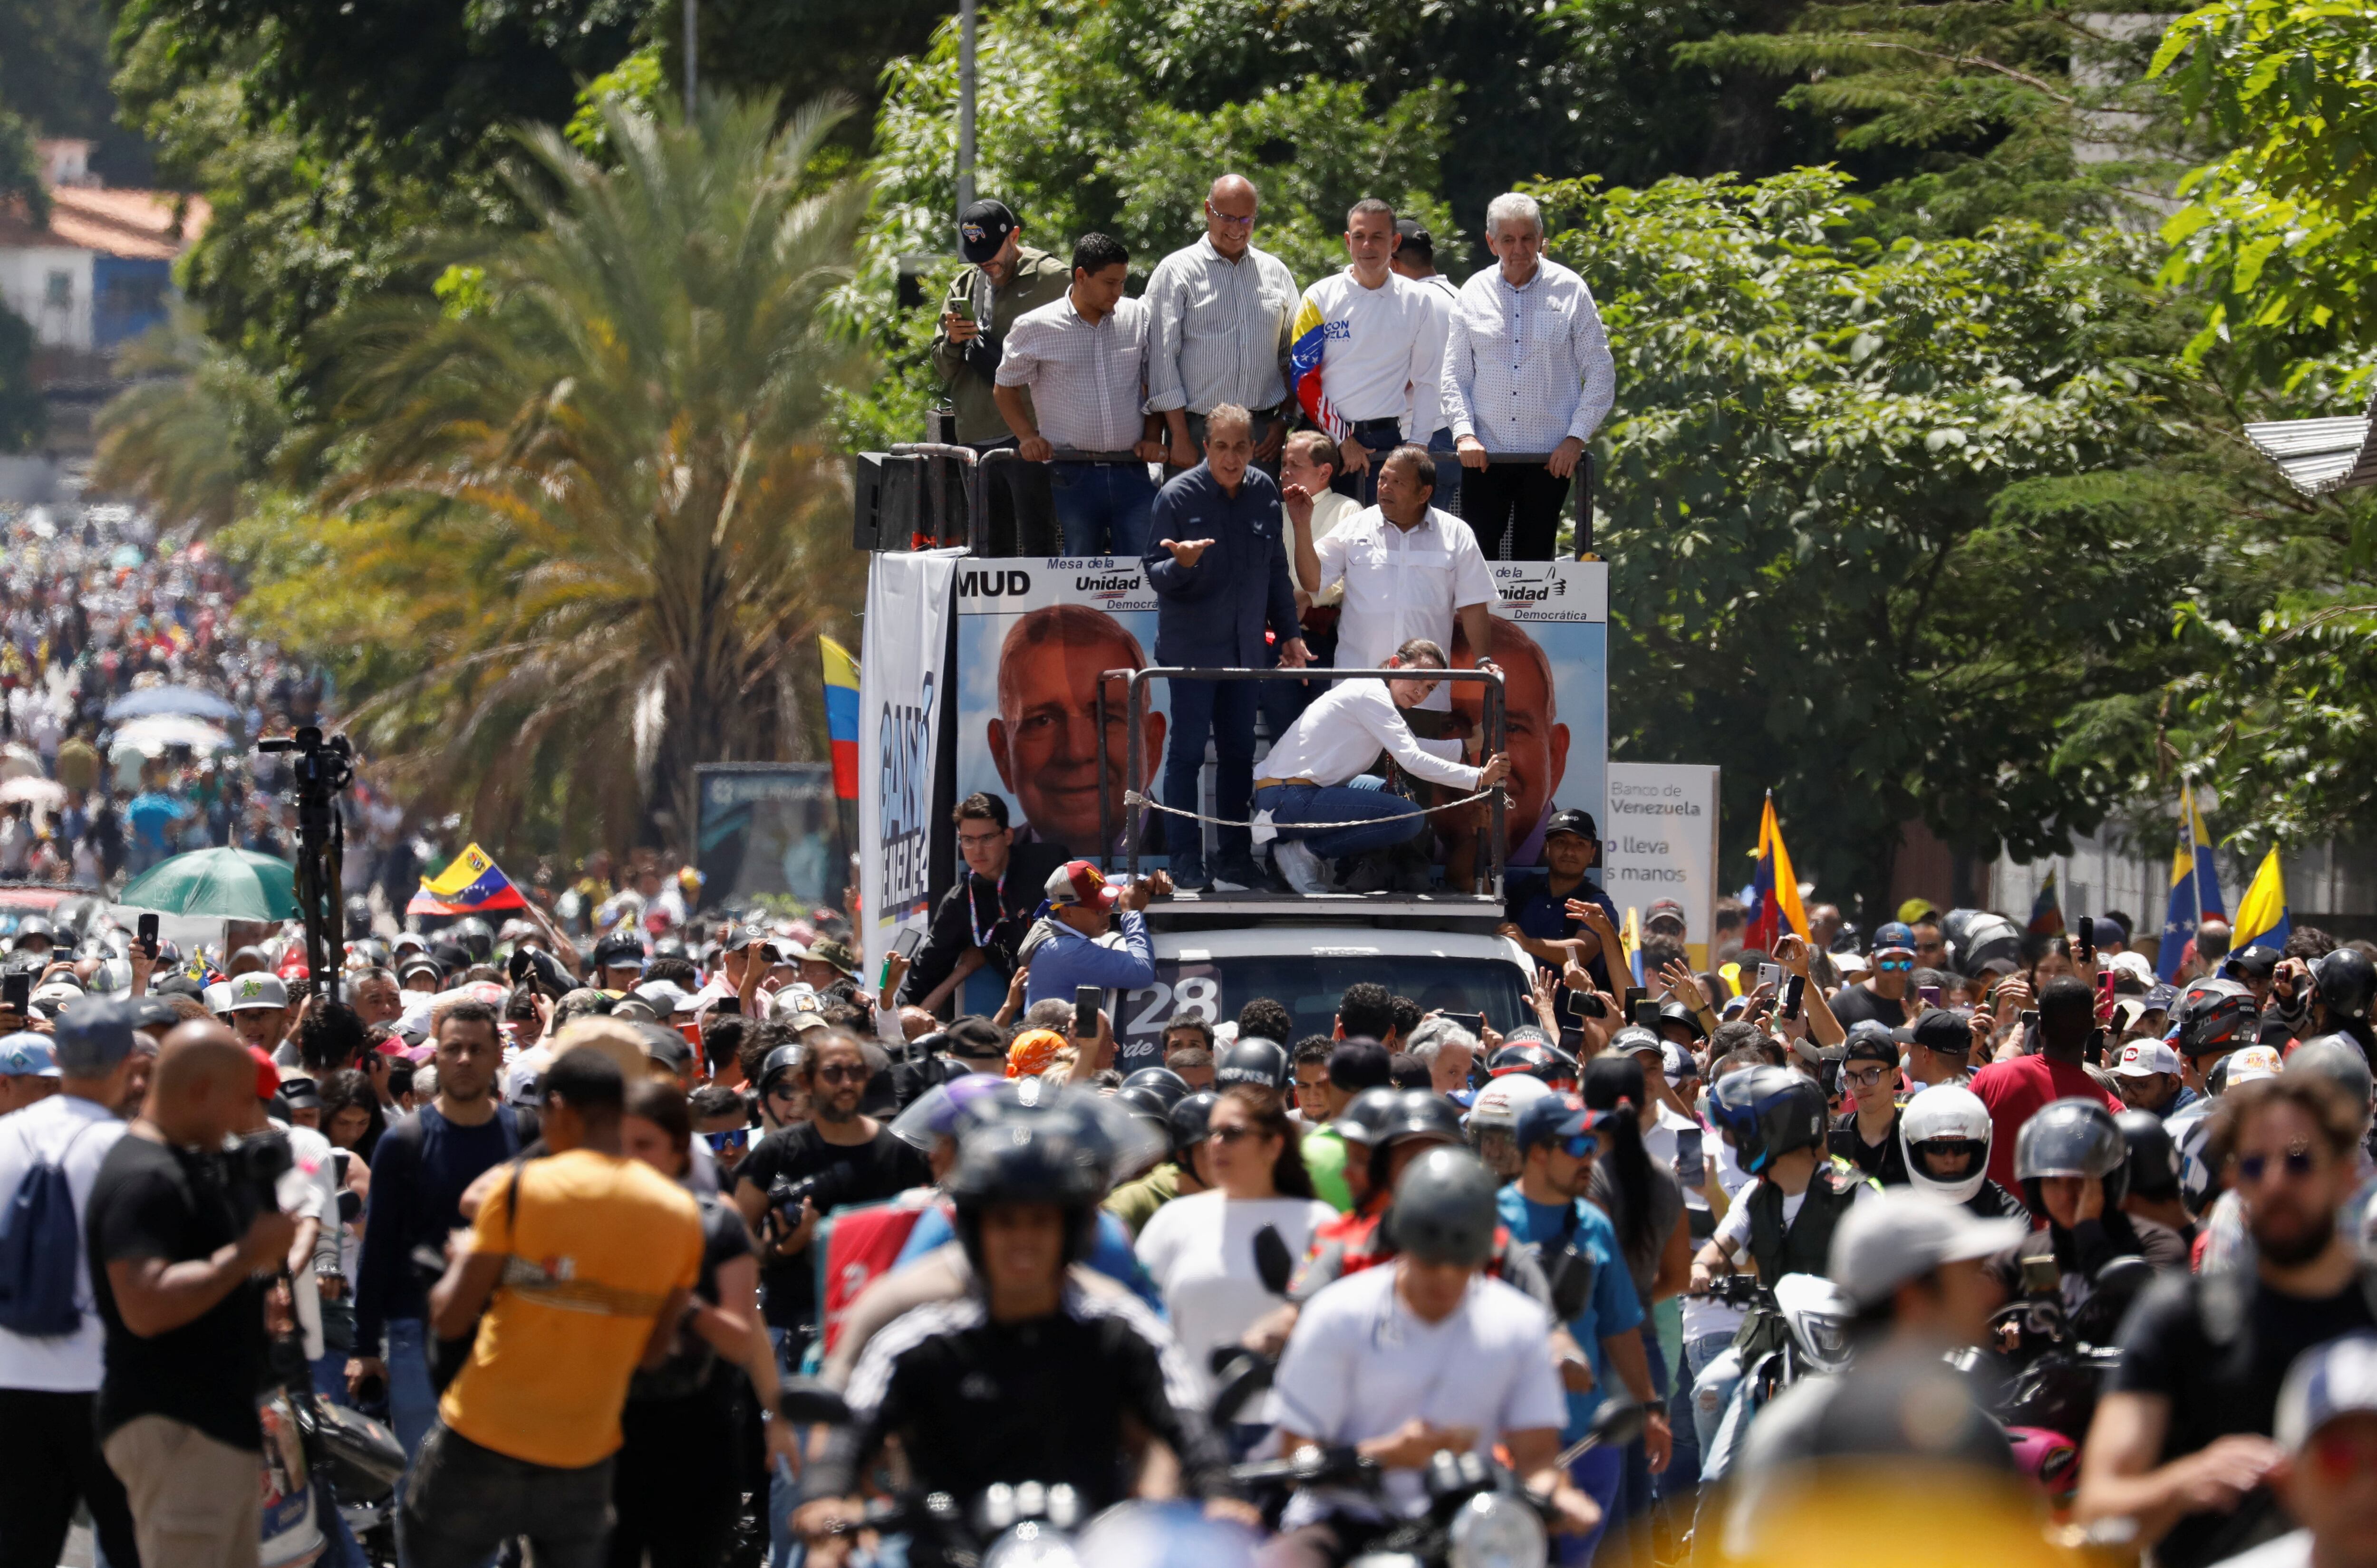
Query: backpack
point(41, 1245)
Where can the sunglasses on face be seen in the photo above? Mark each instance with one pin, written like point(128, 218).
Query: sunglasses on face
point(733, 1138)
point(2298, 1162)
point(841, 1073)
point(1583, 1145)
point(1893, 963)
point(1233, 1133)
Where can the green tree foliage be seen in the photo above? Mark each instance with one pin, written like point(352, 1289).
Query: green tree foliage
point(24, 417)
point(21, 171)
point(598, 512)
point(55, 70)
point(1867, 545)
point(194, 433)
point(2281, 231)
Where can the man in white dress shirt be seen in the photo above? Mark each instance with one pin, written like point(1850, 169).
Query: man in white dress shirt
point(1315, 773)
point(1526, 369)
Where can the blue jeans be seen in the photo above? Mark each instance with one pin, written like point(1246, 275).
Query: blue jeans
point(1448, 473)
point(1683, 1473)
point(1102, 508)
point(1382, 819)
point(1226, 711)
point(411, 1402)
point(1598, 1473)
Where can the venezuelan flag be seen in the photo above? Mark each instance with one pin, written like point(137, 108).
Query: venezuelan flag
point(1776, 885)
point(472, 886)
point(2262, 918)
point(2046, 909)
point(2194, 887)
point(842, 715)
point(1310, 337)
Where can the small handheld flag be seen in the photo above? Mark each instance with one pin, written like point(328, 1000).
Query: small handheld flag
point(2046, 909)
point(1310, 339)
point(473, 885)
point(1776, 885)
point(2194, 887)
point(842, 715)
point(2262, 918)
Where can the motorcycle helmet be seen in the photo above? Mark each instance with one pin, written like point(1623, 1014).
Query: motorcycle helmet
point(1190, 1118)
point(1979, 942)
point(475, 937)
point(357, 917)
point(784, 1059)
point(2153, 1158)
point(1769, 1112)
point(1367, 1115)
point(1416, 1114)
point(1497, 1107)
point(2338, 1058)
point(2071, 1137)
point(1945, 1119)
point(2345, 984)
point(1162, 1082)
point(2199, 1175)
point(1674, 1012)
point(1255, 1061)
point(1150, 1105)
point(1444, 1209)
point(2219, 1020)
point(1025, 1158)
point(1556, 1068)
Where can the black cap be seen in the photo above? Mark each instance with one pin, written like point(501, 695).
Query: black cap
point(1574, 820)
point(2256, 962)
point(1938, 1030)
point(1871, 1042)
point(1358, 1064)
point(1416, 239)
point(983, 228)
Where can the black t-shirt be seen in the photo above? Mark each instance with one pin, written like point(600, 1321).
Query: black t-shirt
point(689, 1369)
point(2215, 1390)
point(1884, 1161)
point(859, 1173)
point(152, 1201)
point(1856, 1004)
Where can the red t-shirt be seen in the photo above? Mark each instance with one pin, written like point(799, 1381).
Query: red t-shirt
point(2015, 1090)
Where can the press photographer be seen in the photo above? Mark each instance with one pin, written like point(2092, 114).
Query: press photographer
point(182, 1231)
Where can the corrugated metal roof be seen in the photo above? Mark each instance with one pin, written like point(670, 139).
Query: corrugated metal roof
point(133, 224)
point(2321, 457)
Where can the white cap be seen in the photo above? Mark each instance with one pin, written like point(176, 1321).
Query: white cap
point(2253, 1062)
point(2133, 964)
point(56, 994)
point(1498, 1105)
point(254, 992)
point(1899, 1235)
point(2339, 1378)
point(217, 998)
point(665, 996)
point(2145, 1057)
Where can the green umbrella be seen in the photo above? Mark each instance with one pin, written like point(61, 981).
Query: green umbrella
point(231, 884)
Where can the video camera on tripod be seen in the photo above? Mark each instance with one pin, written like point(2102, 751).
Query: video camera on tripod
point(322, 770)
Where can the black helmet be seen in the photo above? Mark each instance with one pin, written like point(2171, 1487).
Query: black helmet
point(2071, 1137)
point(1554, 1067)
point(2219, 1019)
point(1147, 1103)
point(618, 950)
point(2153, 1155)
point(1444, 1209)
point(357, 917)
point(1255, 1061)
point(1421, 1113)
point(1674, 1012)
point(2347, 983)
point(476, 937)
point(782, 1060)
point(1027, 1158)
point(1190, 1116)
point(1367, 1114)
point(1770, 1112)
point(1161, 1081)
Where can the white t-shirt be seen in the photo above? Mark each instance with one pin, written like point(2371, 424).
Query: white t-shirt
point(1383, 353)
point(1703, 1315)
point(311, 1189)
point(1360, 1364)
point(1201, 1252)
point(1735, 1226)
point(70, 1364)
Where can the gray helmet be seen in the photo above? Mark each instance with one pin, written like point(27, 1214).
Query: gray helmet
point(1444, 1209)
point(1255, 1061)
point(2071, 1137)
point(1161, 1081)
point(2340, 1060)
point(1367, 1114)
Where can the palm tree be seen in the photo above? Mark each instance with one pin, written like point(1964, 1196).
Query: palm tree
point(602, 474)
point(194, 433)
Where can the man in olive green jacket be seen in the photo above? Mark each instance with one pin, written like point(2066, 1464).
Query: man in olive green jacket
point(1005, 278)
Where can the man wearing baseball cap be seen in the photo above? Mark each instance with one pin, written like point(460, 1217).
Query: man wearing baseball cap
point(1003, 277)
point(1881, 995)
point(29, 1073)
point(1534, 910)
point(259, 1010)
point(1938, 1047)
point(2327, 1425)
point(1866, 1134)
point(1091, 934)
point(2147, 1077)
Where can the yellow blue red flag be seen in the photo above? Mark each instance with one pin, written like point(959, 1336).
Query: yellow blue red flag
point(1309, 341)
point(2262, 918)
point(2194, 887)
point(1776, 886)
point(473, 885)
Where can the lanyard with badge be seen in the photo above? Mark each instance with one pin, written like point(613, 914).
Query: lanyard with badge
point(983, 933)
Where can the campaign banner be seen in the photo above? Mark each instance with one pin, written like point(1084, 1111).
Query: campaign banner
point(1659, 841)
point(768, 828)
point(900, 688)
point(1551, 641)
point(1034, 638)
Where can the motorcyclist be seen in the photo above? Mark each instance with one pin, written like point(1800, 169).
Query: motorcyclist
point(1776, 1121)
point(2344, 989)
point(2153, 1175)
point(2073, 1166)
point(1421, 1357)
point(1494, 1120)
point(1946, 1131)
point(1028, 1376)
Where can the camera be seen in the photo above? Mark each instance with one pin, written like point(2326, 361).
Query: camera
point(532, 963)
point(253, 1166)
point(826, 1191)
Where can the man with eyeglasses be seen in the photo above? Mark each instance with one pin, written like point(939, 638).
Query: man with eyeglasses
point(1223, 311)
point(1866, 1134)
point(2181, 1439)
point(1315, 771)
point(1882, 997)
point(984, 913)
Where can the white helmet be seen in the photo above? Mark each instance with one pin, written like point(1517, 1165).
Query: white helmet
point(1945, 1114)
point(1499, 1103)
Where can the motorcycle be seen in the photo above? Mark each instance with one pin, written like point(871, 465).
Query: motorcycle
point(1797, 1327)
point(2048, 1366)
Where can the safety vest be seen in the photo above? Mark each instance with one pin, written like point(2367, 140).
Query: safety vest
point(1805, 1247)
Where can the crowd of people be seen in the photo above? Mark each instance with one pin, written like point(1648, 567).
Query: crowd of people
point(586, 1228)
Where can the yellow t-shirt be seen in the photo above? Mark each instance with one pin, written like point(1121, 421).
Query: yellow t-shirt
point(601, 1242)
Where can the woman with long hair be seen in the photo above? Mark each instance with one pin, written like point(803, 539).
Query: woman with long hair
point(678, 1482)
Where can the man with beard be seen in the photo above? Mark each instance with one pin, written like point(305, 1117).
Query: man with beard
point(2181, 1439)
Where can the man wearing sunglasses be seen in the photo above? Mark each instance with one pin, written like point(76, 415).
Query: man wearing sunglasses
point(1559, 1142)
point(2181, 1442)
point(1882, 996)
point(1867, 1135)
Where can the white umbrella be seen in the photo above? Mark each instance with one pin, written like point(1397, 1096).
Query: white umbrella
point(154, 735)
point(44, 792)
point(20, 761)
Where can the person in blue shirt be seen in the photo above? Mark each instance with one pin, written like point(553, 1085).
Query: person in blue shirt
point(1558, 1140)
point(153, 815)
point(1535, 908)
point(1219, 570)
point(1065, 946)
